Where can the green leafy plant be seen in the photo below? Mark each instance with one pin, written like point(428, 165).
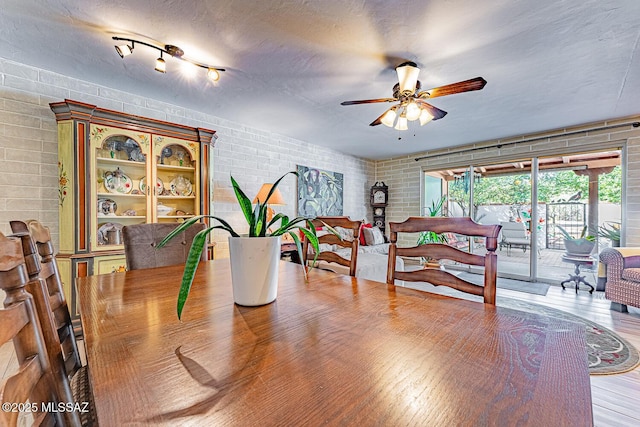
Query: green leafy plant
point(610, 230)
point(431, 236)
point(583, 234)
point(258, 227)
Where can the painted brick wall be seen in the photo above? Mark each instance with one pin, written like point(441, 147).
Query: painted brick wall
point(403, 174)
point(28, 150)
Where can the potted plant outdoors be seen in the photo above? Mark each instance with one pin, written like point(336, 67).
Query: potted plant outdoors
point(581, 246)
point(427, 237)
point(611, 230)
point(254, 257)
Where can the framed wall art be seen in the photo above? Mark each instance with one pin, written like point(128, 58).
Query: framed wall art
point(319, 192)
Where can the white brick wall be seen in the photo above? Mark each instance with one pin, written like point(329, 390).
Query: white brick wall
point(28, 150)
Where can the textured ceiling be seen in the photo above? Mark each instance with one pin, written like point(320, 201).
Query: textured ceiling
point(548, 63)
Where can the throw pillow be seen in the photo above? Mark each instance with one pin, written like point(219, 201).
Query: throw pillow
point(363, 242)
point(378, 237)
point(373, 236)
point(345, 234)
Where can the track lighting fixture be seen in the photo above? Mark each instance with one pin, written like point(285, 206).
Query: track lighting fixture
point(213, 73)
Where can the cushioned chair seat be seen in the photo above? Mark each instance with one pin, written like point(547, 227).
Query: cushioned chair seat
point(140, 243)
point(631, 274)
point(623, 276)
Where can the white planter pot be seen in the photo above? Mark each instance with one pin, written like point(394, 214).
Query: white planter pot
point(254, 269)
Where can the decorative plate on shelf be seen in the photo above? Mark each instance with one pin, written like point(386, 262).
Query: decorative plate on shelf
point(180, 186)
point(107, 207)
point(118, 182)
point(143, 185)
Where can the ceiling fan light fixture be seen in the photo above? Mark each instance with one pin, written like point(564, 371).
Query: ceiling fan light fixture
point(413, 111)
point(407, 77)
point(389, 117)
point(425, 117)
point(402, 122)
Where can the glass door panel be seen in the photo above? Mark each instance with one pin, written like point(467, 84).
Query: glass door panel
point(502, 195)
point(580, 196)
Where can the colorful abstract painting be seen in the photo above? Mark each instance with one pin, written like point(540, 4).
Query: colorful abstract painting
point(319, 192)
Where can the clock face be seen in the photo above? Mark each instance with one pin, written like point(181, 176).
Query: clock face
point(378, 211)
point(379, 197)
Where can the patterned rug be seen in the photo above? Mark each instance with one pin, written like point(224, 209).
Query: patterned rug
point(608, 352)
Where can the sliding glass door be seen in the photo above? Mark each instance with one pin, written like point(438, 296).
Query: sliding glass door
point(533, 200)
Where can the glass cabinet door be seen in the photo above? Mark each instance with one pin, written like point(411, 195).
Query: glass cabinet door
point(119, 170)
point(177, 173)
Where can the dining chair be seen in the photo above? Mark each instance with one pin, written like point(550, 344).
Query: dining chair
point(140, 241)
point(330, 242)
point(33, 384)
point(438, 251)
point(45, 285)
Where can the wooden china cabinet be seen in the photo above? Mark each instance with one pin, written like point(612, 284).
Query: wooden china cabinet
point(117, 169)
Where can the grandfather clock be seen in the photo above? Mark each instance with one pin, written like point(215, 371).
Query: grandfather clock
point(379, 199)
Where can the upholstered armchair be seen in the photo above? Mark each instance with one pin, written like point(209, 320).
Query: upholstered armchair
point(623, 277)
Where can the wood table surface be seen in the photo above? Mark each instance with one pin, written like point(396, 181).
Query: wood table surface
point(335, 350)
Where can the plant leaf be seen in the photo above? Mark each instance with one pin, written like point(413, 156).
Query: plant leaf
point(188, 223)
point(243, 201)
point(255, 226)
point(290, 225)
point(190, 267)
point(296, 239)
point(278, 216)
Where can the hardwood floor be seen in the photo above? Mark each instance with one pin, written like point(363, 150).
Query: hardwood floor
point(616, 398)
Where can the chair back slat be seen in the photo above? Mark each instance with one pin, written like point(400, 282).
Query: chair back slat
point(46, 288)
point(34, 381)
point(464, 226)
point(331, 239)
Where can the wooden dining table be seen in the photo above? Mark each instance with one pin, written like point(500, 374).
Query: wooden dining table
point(333, 350)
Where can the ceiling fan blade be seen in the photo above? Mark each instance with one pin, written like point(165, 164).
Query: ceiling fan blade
point(368, 101)
point(465, 86)
point(434, 111)
point(378, 121)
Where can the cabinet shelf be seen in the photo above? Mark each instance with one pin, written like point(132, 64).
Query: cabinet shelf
point(176, 168)
point(121, 195)
point(107, 160)
point(121, 217)
point(177, 197)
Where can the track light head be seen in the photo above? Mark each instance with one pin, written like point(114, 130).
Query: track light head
point(161, 65)
point(124, 50)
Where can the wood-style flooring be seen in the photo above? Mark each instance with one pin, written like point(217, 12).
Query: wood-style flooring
point(616, 398)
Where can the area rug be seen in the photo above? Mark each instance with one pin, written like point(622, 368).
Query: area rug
point(514, 285)
point(608, 352)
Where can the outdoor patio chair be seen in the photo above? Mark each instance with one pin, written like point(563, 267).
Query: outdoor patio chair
point(514, 234)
